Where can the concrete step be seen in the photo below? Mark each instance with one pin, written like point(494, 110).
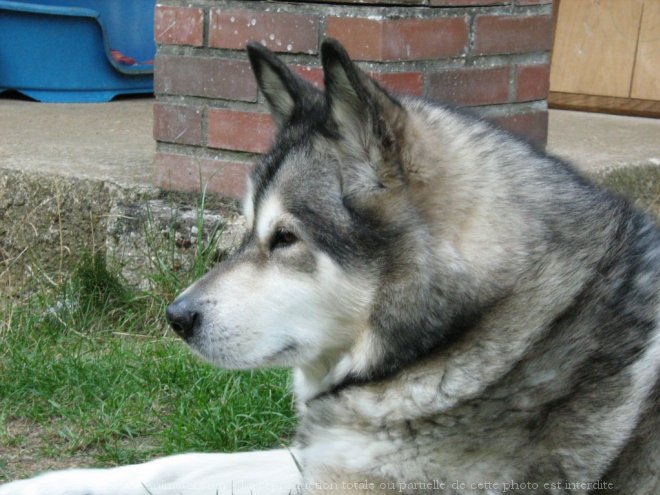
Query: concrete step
point(48, 221)
point(106, 141)
point(595, 142)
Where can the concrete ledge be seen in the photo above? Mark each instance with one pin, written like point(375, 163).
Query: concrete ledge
point(146, 237)
point(46, 221)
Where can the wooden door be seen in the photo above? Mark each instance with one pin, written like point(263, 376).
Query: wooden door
point(607, 56)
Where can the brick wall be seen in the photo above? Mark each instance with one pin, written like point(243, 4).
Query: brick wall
point(210, 122)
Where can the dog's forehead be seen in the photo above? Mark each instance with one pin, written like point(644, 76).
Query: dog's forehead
point(301, 175)
point(270, 211)
point(261, 181)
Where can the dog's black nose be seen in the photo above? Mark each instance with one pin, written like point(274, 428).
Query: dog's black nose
point(182, 319)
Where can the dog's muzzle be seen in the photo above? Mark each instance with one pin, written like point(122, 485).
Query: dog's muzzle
point(182, 318)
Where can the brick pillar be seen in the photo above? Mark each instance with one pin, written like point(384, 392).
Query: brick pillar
point(210, 122)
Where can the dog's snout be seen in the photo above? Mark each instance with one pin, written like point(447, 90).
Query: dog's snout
point(182, 318)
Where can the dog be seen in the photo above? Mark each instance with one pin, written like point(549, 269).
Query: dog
point(463, 314)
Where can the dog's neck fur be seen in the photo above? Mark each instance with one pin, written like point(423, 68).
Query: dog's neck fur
point(325, 375)
point(462, 370)
point(315, 379)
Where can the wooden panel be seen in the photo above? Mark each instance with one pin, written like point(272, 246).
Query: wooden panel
point(595, 46)
point(607, 104)
point(646, 78)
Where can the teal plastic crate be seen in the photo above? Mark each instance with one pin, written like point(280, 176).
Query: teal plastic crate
point(77, 50)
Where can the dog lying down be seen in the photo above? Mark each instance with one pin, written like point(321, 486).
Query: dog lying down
point(463, 314)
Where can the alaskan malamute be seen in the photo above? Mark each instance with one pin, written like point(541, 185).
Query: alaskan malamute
point(463, 314)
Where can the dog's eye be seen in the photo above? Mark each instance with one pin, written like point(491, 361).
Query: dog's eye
point(282, 238)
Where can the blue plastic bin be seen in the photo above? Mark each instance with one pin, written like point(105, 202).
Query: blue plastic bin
point(60, 50)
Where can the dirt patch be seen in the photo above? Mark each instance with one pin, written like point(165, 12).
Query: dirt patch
point(22, 445)
point(28, 448)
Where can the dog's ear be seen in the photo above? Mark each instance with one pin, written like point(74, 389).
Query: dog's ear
point(284, 90)
point(370, 120)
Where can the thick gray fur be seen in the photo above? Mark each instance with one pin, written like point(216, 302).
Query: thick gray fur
point(515, 320)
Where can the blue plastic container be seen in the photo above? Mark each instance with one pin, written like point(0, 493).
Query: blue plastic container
point(60, 50)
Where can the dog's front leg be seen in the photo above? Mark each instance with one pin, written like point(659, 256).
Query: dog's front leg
point(272, 472)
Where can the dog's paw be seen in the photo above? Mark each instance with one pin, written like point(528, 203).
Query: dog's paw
point(69, 482)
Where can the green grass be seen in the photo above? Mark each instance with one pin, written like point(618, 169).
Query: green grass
point(90, 375)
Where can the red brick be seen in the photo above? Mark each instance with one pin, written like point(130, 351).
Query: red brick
point(182, 173)
point(177, 124)
point(241, 131)
point(363, 38)
point(205, 76)
point(467, 87)
point(512, 34)
point(408, 83)
point(466, 3)
point(532, 82)
point(311, 74)
point(532, 126)
point(179, 26)
point(533, 2)
point(451, 3)
point(400, 39)
point(280, 32)
point(380, 2)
